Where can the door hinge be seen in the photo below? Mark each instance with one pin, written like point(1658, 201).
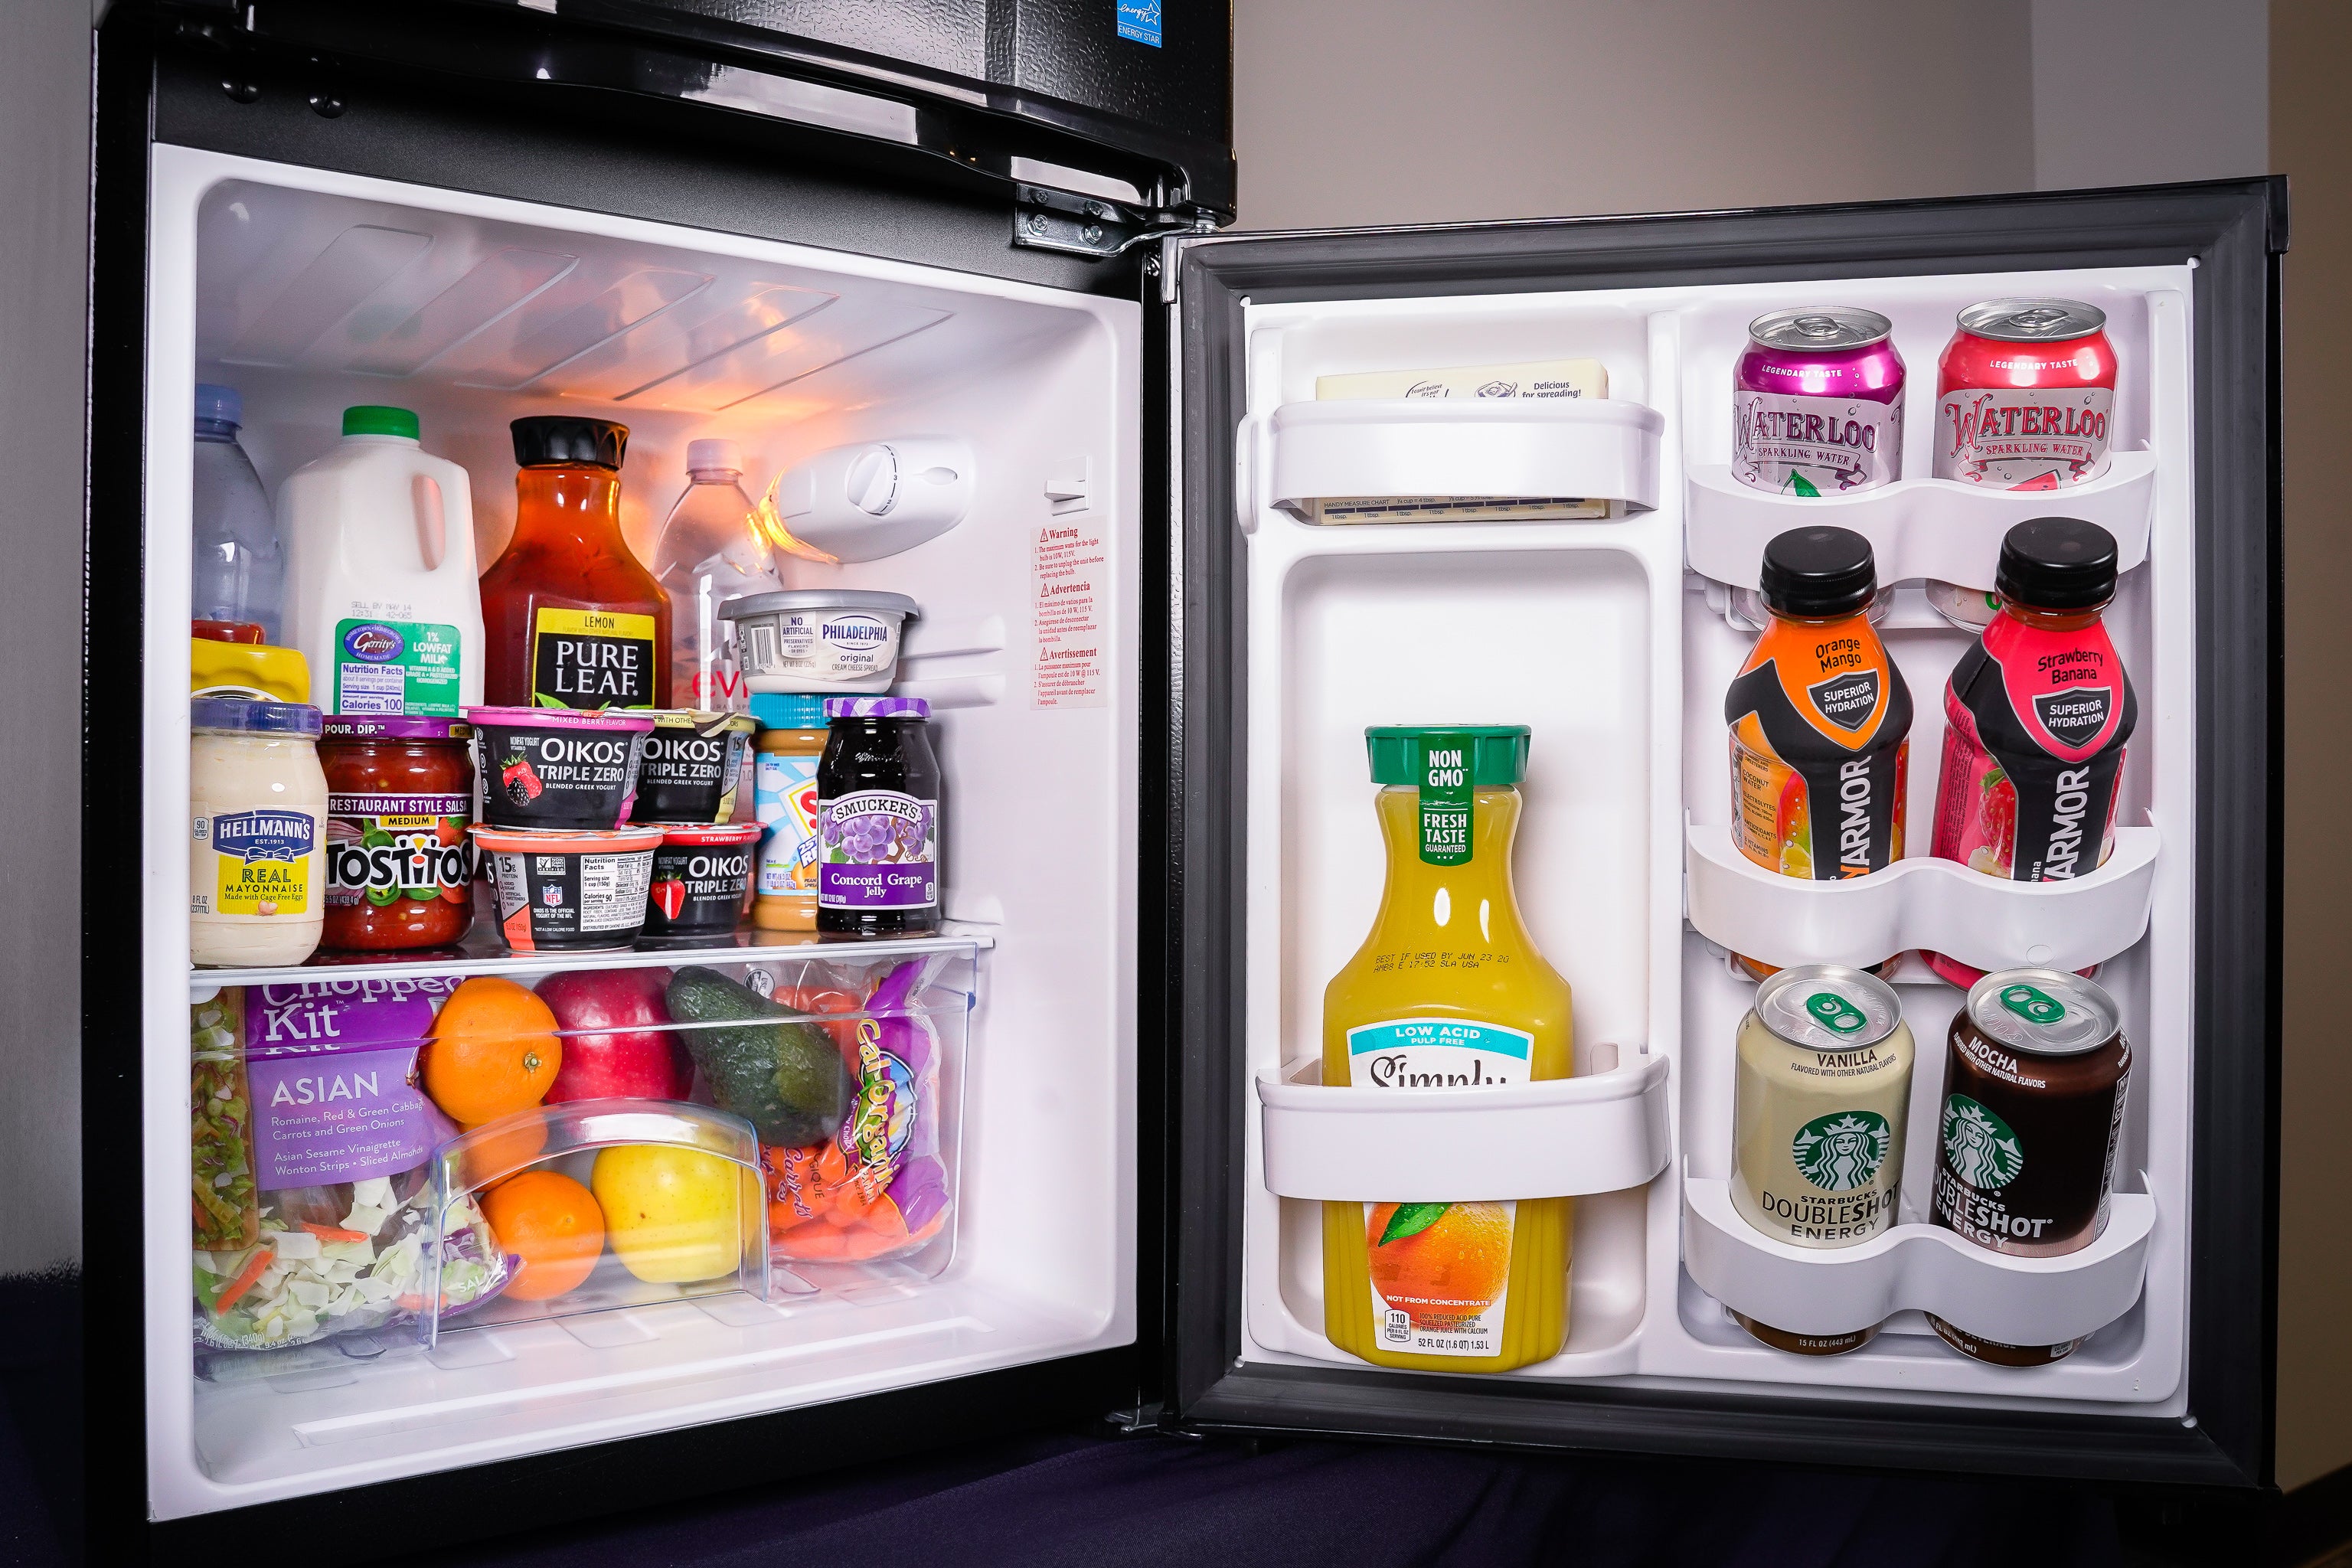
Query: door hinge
point(1047, 219)
point(1138, 1421)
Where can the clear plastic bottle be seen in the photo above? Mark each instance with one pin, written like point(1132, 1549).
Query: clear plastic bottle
point(710, 551)
point(239, 572)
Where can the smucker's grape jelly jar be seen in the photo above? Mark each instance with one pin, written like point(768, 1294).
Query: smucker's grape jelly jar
point(877, 818)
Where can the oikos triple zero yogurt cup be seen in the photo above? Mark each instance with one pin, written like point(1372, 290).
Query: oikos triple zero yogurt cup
point(559, 767)
point(819, 639)
point(559, 889)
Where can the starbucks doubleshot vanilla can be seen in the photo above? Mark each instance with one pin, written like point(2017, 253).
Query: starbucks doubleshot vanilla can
point(1824, 1080)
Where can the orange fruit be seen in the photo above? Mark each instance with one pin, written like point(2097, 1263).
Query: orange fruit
point(1454, 1264)
point(553, 1224)
point(493, 1051)
point(493, 1159)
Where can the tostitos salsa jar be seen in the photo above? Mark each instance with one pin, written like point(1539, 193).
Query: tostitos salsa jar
point(400, 865)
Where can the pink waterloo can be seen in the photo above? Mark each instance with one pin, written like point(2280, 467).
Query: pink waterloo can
point(1817, 403)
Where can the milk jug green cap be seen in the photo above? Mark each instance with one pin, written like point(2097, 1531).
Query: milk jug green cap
point(1491, 753)
point(375, 420)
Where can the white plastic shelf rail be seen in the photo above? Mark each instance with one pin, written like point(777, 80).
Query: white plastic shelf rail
point(1922, 528)
point(1941, 905)
point(1560, 1138)
point(1836, 1291)
point(1601, 448)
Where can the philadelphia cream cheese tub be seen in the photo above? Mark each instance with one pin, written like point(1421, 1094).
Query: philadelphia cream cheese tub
point(819, 641)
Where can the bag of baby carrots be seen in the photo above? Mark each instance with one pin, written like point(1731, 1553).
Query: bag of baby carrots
point(879, 1188)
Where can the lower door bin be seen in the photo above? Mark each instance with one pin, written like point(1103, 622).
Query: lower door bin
point(1408, 1155)
point(1836, 1292)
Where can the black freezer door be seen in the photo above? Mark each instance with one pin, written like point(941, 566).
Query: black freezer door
point(1111, 113)
point(1253, 320)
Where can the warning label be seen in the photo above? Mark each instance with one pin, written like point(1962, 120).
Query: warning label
point(1066, 590)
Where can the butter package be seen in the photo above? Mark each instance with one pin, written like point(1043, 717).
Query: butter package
point(1533, 378)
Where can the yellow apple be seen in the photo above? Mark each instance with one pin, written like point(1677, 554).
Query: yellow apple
point(671, 1214)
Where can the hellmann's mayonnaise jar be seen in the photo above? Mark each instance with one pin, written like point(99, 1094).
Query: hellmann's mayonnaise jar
point(257, 832)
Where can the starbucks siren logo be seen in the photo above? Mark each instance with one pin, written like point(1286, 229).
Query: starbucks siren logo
point(1978, 1146)
point(1843, 1151)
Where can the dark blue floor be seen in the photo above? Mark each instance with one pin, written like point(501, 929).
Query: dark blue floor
point(1083, 1501)
point(1074, 1503)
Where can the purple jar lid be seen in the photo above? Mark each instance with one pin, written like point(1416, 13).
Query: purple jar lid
point(876, 708)
point(393, 727)
point(637, 719)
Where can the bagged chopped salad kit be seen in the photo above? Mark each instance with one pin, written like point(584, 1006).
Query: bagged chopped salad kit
point(312, 1142)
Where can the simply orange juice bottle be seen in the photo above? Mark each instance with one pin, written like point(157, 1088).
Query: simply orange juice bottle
point(1447, 992)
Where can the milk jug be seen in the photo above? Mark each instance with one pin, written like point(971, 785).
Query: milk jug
point(380, 580)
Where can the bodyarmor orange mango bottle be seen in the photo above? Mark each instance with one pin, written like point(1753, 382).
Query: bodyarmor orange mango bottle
point(1820, 718)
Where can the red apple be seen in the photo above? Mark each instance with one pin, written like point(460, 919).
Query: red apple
point(613, 1040)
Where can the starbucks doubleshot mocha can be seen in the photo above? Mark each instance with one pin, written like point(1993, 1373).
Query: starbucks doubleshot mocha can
point(1817, 1111)
point(2035, 1083)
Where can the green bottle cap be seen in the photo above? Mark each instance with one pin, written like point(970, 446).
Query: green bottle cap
point(373, 420)
point(1495, 753)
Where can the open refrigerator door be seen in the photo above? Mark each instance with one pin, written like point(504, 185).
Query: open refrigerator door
point(1402, 526)
point(550, 1182)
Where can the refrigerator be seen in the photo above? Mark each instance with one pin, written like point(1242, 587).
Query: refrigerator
point(1151, 660)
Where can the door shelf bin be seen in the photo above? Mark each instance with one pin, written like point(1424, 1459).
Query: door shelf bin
point(1836, 1291)
point(1923, 902)
point(1559, 1137)
point(1922, 528)
point(1597, 449)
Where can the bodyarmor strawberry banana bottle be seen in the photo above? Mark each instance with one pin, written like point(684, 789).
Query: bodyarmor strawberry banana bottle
point(2036, 716)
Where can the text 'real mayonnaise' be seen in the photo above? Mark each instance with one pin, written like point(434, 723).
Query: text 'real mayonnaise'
point(257, 832)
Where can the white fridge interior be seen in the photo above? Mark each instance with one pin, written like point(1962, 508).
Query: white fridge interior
point(1613, 641)
point(309, 291)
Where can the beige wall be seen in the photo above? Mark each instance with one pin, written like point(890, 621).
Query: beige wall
point(44, 261)
point(2311, 140)
point(1355, 112)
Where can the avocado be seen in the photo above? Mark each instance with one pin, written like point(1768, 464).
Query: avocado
point(777, 1070)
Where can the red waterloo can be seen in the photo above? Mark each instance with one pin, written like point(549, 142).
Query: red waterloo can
point(2025, 396)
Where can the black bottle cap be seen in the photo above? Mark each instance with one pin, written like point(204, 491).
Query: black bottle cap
point(567, 438)
point(2056, 564)
point(1818, 572)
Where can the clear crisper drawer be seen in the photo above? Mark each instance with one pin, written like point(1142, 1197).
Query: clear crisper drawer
point(384, 1163)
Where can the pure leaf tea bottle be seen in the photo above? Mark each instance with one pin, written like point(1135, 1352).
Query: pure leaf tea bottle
point(573, 619)
point(1447, 992)
point(1820, 718)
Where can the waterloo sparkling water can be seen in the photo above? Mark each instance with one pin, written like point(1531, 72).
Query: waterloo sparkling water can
point(1817, 403)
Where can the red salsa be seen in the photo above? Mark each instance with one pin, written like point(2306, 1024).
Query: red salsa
point(399, 864)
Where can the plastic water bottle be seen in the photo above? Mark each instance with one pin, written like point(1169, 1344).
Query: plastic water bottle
point(710, 551)
point(239, 572)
